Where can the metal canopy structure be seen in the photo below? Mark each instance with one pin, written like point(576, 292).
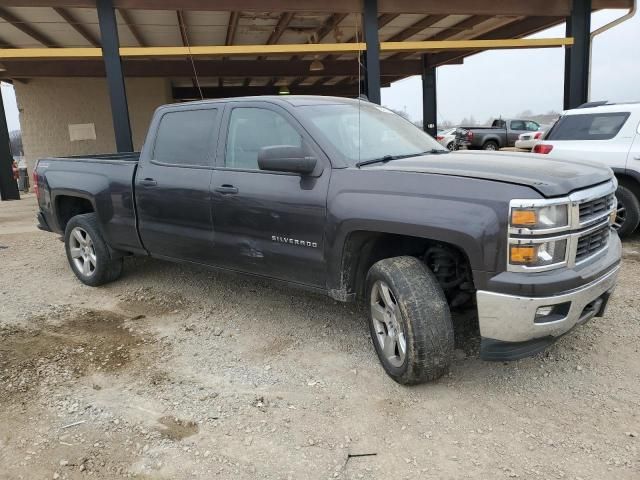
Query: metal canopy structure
point(253, 47)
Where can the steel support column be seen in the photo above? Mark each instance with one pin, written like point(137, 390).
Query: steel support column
point(8, 185)
point(576, 77)
point(115, 78)
point(429, 97)
point(372, 56)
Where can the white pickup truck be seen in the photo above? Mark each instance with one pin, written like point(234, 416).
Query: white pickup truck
point(605, 133)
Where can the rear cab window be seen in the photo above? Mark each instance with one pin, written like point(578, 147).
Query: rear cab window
point(588, 126)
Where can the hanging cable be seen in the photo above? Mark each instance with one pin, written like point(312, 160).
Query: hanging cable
point(183, 28)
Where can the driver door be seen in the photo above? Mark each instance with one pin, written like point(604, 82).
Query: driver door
point(268, 223)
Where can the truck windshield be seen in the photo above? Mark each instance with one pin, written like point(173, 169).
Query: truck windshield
point(369, 132)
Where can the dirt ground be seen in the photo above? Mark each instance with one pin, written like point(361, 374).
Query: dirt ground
point(177, 372)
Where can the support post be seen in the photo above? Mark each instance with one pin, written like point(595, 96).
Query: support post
point(8, 184)
point(372, 57)
point(429, 97)
point(115, 78)
point(576, 80)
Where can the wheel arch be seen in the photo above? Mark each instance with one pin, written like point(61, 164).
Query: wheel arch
point(363, 248)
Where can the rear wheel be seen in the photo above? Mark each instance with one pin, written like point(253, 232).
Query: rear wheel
point(451, 146)
point(87, 251)
point(490, 145)
point(409, 320)
point(628, 213)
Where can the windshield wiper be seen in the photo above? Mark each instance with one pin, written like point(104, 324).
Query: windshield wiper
point(388, 158)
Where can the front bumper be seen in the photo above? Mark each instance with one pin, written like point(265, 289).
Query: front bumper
point(510, 327)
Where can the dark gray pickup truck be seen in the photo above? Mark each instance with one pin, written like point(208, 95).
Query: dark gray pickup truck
point(502, 133)
point(346, 198)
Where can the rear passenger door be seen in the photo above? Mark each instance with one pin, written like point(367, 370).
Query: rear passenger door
point(268, 223)
point(172, 183)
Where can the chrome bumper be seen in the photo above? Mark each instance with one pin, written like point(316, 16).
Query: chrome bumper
point(511, 318)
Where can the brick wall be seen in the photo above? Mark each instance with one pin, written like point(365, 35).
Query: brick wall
point(48, 105)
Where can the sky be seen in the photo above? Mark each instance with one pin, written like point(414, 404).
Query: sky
point(507, 82)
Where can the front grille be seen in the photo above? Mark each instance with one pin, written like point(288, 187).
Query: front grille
point(592, 242)
point(595, 209)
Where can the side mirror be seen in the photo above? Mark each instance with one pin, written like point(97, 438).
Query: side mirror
point(286, 158)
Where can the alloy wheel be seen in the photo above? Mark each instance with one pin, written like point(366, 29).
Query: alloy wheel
point(387, 324)
point(82, 251)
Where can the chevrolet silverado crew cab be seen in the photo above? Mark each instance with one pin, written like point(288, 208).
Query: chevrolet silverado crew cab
point(346, 198)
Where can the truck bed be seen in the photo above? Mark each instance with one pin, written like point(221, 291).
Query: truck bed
point(104, 180)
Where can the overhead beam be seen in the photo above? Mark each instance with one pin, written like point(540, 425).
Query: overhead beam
point(452, 31)
point(77, 26)
point(205, 68)
point(284, 49)
point(132, 27)
point(26, 28)
point(524, 28)
point(232, 27)
point(276, 34)
point(182, 27)
point(189, 93)
point(417, 27)
point(427, 7)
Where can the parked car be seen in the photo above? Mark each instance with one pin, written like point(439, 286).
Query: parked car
point(502, 133)
point(608, 134)
point(526, 141)
point(346, 198)
point(447, 138)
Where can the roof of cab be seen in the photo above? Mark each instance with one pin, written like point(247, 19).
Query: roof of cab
point(293, 100)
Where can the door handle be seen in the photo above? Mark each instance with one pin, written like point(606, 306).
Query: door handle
point(148, 182)
point(226, 189)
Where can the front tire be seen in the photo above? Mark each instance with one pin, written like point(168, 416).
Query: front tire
point(87, 252)
point(409, 320)
point(628, 214)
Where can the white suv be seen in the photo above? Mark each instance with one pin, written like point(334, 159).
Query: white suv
point(604, 133)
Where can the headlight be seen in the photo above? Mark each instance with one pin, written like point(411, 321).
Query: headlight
point(540, 218)
point(539, 254)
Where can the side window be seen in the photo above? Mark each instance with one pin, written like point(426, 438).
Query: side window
point(185, 137)
point(252, 128)
point(517, 125)
point(531, 126)
point(588, 126)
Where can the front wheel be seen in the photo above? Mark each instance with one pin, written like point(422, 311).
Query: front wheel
point(88, 253)
point(409, 320)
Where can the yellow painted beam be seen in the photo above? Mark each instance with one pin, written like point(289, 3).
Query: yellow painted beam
point(294, 49)
point(474, 44)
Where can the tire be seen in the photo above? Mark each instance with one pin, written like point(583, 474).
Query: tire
point(628, 215)
point(490, 145)
point(451, 146)
point(417, 312)
point(87, 252)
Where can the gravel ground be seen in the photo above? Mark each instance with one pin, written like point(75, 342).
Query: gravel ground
point(178, 372)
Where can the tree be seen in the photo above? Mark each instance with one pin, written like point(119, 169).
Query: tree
point(15, 143)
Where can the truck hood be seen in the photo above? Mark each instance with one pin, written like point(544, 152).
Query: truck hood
point(550, 177)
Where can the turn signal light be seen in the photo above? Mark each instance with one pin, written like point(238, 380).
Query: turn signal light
point(542, 148)
point(523, 254)
point(523, 218)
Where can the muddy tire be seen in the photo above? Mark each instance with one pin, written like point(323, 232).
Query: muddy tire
point(628, 215)
point(409, 320)
point(87, 252)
